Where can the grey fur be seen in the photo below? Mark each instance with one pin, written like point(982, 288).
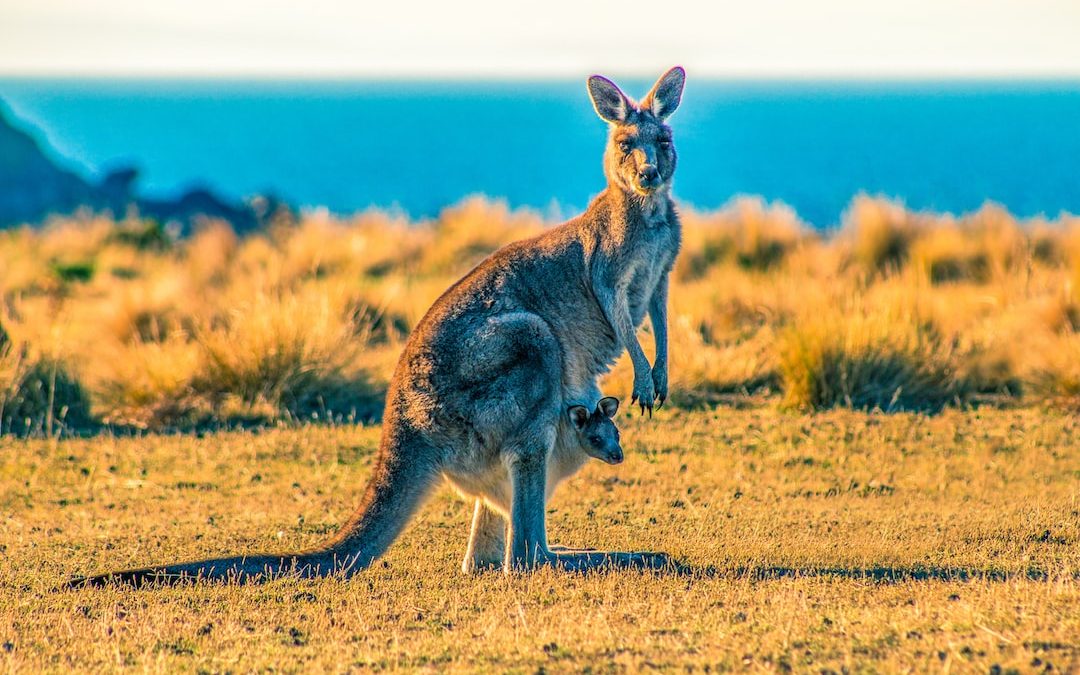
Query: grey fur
point(480, 392)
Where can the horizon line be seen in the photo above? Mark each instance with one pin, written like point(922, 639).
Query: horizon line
point(479, 76)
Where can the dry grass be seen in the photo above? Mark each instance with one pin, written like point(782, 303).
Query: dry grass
point(897, 310)
point(815, 539)
point(1055, 373)
point(867, 361)
point(828, 542)
point(747, 233)
point(38, 394)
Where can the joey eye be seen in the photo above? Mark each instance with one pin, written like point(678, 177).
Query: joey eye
point(625, 147)
point(595, 440)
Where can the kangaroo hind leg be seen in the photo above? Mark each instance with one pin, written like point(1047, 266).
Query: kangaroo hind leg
point(527, 462)
point(487, 540)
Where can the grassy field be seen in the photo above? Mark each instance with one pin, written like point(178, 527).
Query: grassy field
point(869, 462)
point(839, 541)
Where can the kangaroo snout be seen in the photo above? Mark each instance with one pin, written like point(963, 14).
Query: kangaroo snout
point(648, 175)
point(613, 455)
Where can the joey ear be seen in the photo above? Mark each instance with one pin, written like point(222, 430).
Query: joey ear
point(609, 405)
point(666, 94)
point(578, 415)
point(608, 100)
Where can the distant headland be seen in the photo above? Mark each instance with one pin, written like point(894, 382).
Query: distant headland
point(34, 186)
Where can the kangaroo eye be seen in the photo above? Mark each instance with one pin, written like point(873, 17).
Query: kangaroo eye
point(594, 439)
point(665, 144)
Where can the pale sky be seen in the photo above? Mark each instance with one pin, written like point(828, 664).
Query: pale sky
point(545, 38)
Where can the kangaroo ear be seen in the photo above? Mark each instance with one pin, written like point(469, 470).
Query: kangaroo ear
point(608, 100)
point(666, 94)
point(578, 415)
point(609, 405)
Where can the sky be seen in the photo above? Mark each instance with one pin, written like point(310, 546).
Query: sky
point(550, 38)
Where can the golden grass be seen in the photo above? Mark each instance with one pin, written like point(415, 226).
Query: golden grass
point(747, 232)
point(1055, 372)
point(38, 394)
point(868, 361)
point(839, 541)
point(815, 538)
point(877, 234)
point(898, 309)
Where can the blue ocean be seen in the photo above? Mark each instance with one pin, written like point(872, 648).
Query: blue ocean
point(419, 146)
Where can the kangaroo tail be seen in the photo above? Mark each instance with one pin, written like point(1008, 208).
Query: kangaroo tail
point(405, 473)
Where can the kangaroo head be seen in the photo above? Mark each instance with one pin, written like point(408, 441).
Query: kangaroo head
point(597, 433)
point(640, 154)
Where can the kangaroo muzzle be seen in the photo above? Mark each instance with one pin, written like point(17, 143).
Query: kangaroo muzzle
point(648, 176)
point(612, 454)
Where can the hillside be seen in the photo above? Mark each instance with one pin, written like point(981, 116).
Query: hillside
point(35, 185)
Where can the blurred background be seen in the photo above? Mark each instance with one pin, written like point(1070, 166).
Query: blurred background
point(413, 106)
point(234, 212)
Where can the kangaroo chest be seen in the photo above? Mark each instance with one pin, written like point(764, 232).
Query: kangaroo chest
point(652, 254)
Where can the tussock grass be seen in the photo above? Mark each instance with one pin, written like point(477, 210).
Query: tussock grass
point(306, 319)
point(466, 233)
point(44, 398)
point(38, 394)
point(985, 246)
point(867, 362)
point(1054, 374)
point(151, 387)
point(877, 234)
point(747, 232)
point(288, 356)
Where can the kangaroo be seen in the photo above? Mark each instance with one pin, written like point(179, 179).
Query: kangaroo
point(485, 379)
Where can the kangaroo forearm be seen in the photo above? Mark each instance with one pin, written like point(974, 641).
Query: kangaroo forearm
point(628, 337)
point(659, 324)
point(661, 357)
point(659, 317)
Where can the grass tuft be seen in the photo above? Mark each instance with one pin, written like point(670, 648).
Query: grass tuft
point(40, 396)
point(288, 356)
point(1054, 376)
point(878, 234)
point(747, 232)
point(867, 362)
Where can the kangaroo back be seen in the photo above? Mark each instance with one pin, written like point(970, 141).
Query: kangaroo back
point(405, 474)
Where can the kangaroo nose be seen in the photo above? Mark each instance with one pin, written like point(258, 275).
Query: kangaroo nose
point(648, 174)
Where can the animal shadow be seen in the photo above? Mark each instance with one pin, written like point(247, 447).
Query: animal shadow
point(882, 574)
